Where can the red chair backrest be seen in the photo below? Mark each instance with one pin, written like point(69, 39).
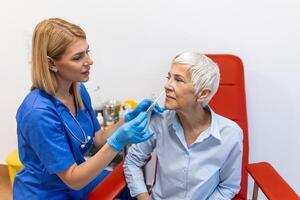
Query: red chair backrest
point(230, 102)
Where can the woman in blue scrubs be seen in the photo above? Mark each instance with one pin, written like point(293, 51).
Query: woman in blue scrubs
point(56, 124)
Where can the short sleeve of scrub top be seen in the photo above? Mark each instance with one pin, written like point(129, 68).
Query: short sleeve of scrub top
point(47, 137)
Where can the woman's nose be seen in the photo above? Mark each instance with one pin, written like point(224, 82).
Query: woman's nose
point(168, 85)
point(89, 61)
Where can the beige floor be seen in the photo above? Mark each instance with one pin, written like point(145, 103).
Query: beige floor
point(5, 188)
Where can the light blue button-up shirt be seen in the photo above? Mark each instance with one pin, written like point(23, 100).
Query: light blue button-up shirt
point(208, 169)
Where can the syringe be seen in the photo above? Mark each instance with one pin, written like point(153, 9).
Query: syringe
point(149, 110)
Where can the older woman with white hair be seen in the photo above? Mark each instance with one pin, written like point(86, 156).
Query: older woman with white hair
point(199, 152)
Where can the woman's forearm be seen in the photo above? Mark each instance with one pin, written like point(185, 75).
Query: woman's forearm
point(78, 176)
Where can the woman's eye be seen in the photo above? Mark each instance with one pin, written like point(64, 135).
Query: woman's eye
point(168, 77)
point(77, 58)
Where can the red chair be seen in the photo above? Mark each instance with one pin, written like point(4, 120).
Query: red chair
point(229, 101)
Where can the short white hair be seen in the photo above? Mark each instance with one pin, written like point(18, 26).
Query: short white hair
point(205, 72)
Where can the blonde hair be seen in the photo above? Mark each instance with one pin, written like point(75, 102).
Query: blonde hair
point(205, 72)
point(52, 37)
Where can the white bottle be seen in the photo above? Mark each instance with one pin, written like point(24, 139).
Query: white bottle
point(97, 101)
point(124, 110)
point(100, 119)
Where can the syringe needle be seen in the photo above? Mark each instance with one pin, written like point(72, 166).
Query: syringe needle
point(153, 103)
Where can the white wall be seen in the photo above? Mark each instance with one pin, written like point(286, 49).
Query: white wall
point(132, 43)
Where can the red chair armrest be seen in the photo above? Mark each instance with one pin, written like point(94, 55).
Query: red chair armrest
point(270, 182)
point(111, 186)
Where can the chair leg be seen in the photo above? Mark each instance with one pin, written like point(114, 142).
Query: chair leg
point(255, 192)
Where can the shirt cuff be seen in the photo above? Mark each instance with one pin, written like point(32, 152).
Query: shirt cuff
point(137, 188)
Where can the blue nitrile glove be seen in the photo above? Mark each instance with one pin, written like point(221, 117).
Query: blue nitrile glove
point(158, 109)
point(132, 132)
point(143, 106)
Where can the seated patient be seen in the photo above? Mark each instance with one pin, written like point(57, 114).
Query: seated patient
point(199, 152)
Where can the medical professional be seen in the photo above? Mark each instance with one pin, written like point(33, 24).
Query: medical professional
point(56, 124)
point(199, 153)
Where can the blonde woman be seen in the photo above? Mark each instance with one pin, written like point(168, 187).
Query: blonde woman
point(56, 124)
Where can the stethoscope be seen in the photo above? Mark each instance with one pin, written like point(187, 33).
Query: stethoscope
point(86, 138)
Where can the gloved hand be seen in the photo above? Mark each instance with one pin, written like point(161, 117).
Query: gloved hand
point(143, 106)
point(132, 132)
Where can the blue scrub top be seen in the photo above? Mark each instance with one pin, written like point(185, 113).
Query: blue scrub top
point(47, 147)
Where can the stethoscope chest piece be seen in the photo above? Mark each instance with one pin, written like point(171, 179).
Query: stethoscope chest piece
point(88, 138)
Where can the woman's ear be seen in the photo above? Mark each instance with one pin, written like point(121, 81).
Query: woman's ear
point(203, 94)
point(51, 64)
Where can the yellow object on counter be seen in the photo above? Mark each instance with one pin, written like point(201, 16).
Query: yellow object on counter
point(133, 104)
point(14, 165)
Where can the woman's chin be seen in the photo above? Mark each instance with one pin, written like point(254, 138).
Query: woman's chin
point(169, 106)
point(84, 80)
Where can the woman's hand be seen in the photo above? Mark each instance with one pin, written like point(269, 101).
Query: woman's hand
point(143, 196)
point(142, 107)
point(135, 131)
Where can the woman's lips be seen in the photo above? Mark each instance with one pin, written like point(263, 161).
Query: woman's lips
point(170, 97)
point(86, 73)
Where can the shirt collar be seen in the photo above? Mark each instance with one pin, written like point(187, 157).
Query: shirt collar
point(214, 126)
point(213, 130)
